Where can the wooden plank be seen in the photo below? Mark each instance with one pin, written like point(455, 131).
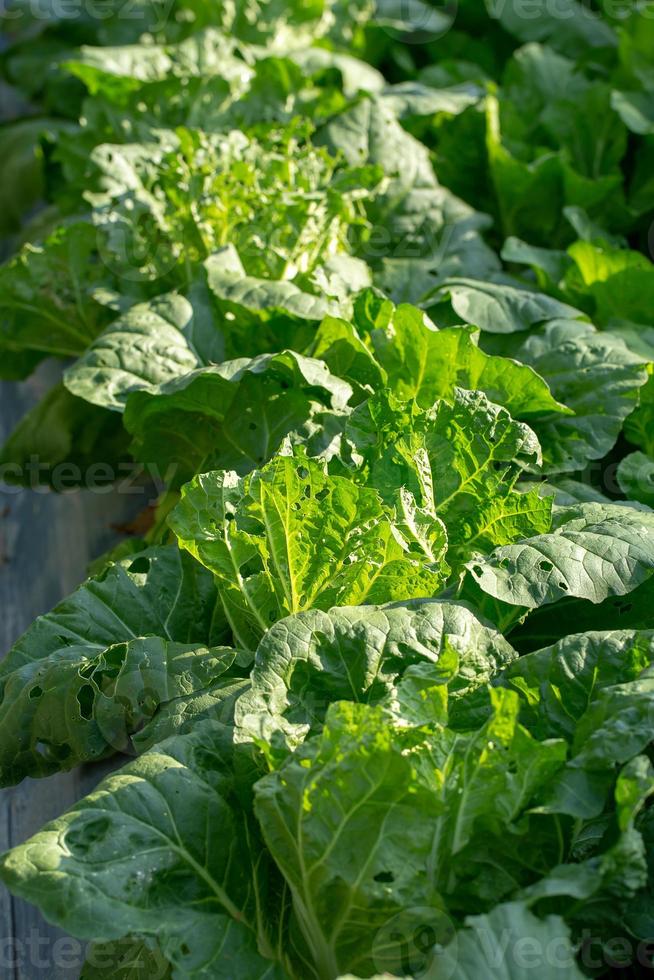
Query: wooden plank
point(7, 930)
point(46, 543)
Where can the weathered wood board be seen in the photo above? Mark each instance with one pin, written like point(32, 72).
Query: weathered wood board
point(46, 543)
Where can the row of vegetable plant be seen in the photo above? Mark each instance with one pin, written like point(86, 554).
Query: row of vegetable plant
point(367, 291)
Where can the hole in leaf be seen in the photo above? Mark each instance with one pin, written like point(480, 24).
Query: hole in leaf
point(322, 494)
point(35, 693)
point(545, 566)
point(140, 566)
point(52, 753)
point(385, 877)
point(252, 566)
point(564, 586)
point(85, 699)
point(303, 472)
point(147, 700)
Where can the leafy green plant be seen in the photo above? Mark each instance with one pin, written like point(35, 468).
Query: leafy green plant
point(368, 292)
